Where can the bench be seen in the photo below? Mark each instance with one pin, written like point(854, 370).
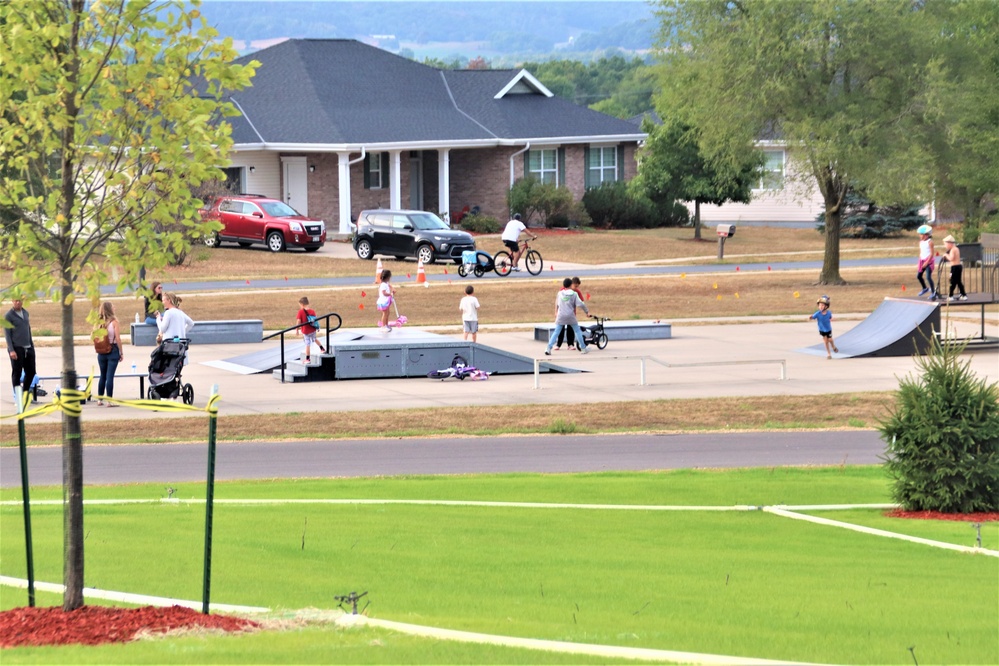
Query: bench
point(233, 331)
point(632, 329)
point(81, 380)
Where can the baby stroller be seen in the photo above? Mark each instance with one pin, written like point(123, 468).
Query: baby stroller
point(165, 365)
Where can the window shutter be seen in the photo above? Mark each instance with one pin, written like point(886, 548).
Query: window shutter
point(620, 163)
point(561, 167)
point(367, 172)
point(586, 168)
point(527, 163)
point(385, 170)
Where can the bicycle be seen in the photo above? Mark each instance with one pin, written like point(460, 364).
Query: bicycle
point(532, 260)
point(595, 335)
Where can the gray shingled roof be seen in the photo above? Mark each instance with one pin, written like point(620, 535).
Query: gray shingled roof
point(331, 92)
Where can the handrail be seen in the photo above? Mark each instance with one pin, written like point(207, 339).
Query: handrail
point(324, 318)
point(666, 364)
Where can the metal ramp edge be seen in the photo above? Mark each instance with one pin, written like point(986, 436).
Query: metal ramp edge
point(898, 327)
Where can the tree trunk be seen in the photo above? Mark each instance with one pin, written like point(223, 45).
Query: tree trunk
point(697, 219)
point(72, 433)
point(830, 263)
point(833, 188)
point(72, 473)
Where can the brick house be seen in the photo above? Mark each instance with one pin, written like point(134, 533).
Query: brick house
point(336, 126)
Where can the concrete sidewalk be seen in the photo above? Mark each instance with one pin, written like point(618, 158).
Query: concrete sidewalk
point(750, 351)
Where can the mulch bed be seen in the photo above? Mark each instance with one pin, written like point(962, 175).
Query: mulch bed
point(937, 515)
point(93, 625)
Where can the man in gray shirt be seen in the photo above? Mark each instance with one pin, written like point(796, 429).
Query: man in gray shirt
point(566, 302)
point(17, 331)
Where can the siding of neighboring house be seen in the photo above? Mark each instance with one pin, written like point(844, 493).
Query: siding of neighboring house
point(266, 176)
point(798, 201)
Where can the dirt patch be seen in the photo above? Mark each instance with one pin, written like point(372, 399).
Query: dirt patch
point(937, 515)
point(94, 625)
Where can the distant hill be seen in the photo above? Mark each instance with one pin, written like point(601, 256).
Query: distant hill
point(502, 32)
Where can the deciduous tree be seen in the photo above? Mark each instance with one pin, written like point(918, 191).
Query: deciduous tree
point(110, 112)
point(672, 168)
point(845, 82)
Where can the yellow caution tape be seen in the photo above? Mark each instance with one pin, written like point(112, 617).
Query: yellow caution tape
point(71, 402)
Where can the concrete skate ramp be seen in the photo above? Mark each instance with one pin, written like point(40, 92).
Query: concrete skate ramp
point(268, 359)
point(899, 327)
point(372, 354)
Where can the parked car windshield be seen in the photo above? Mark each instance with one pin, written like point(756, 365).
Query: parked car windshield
point(428, 222)
point(279, 209)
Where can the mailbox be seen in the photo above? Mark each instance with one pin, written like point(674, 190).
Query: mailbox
point(726, 230)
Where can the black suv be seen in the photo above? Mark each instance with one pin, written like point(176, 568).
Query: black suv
point(409, 233)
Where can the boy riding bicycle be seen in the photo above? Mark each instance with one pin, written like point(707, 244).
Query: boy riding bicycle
point(511, 236)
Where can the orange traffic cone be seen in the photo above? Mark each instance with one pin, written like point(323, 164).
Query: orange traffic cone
point(378, 271)
point(421, 275)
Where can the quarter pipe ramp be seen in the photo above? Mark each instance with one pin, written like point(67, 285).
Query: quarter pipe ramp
point(899, 327)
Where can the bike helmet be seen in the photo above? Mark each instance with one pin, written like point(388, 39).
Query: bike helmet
point(823, 299)
point(924, 229)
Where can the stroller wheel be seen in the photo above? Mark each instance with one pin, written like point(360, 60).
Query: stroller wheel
point(150, 393)
point(461, 270)
point(188, 396)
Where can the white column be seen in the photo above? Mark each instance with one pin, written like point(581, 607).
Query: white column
point(343, 191)
point(444, 181)
point(395, 179)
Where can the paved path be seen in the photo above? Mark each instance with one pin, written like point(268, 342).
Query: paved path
point(551, 454)
point(560, 270)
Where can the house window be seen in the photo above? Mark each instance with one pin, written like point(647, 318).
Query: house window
point(602, 165)
point(234, 179)
point(543, 165)
point(376, 177)
point(773, 171)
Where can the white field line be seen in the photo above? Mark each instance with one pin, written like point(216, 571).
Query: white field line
point(129, 598)
point(512, 505)
point(783, 511)
point(641, 654)
point(876, 532)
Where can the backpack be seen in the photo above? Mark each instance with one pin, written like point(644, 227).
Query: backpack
point(311, 319)
point(102, 343)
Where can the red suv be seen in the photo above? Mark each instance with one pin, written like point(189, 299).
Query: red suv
point(248, 218)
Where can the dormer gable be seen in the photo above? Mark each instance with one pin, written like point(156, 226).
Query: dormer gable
point(523, 83)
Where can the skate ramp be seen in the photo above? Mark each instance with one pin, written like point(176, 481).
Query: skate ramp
point(899, 327)
point(372, 354)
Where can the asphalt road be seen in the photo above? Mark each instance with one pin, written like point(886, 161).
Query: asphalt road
point(176, 463)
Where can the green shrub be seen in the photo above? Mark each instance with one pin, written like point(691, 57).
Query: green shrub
point(481, 224)
point(621, 206)
point(548, 203)
point(943, 437)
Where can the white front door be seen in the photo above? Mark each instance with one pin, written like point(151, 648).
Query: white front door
point(296, 183)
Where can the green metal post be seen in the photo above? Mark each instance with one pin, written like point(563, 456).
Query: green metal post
point(209, 509)
point(25, 498)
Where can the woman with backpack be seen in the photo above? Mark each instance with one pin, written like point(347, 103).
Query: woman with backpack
point(107, 344)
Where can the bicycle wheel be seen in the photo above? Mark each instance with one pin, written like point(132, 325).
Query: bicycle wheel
point(601, 340)
point(503, 263)
point(534, 262)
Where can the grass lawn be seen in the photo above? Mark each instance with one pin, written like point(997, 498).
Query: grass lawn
point(740, 583)
point(730, 293)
